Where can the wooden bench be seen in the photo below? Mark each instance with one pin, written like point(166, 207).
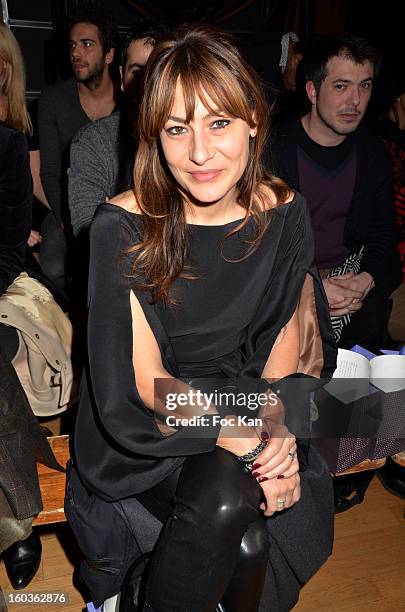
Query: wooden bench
point(52, 484)
point(367, 464)
point(373, 464)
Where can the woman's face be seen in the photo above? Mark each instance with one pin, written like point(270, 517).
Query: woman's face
point(207, 156)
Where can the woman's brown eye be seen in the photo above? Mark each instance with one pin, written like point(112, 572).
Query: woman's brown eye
point(175, 130)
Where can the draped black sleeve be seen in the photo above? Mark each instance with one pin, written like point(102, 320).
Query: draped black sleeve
point(120, 449)
point(293, 284)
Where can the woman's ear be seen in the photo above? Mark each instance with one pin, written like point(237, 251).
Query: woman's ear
point(253, 131)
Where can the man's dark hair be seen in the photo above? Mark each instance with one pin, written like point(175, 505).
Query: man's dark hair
point(144, 27)
point(354, 48)
point(91, 11)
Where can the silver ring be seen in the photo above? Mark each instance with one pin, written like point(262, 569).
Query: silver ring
point(292, 454)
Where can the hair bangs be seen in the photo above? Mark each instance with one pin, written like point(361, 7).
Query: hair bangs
point(157, 100)
point(224, 96)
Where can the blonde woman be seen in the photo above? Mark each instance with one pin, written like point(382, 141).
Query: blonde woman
point(13, 108)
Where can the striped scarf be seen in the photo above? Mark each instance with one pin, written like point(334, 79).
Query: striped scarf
point(352, 263)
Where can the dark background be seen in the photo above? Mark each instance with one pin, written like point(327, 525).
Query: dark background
point(39, 25)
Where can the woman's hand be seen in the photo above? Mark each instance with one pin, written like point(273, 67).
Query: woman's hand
point(280, 494)
point(34, 238)
point(279, 458)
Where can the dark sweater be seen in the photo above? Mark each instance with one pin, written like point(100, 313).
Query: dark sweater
point(101, 166)
point(370, 220)
point(60, 115)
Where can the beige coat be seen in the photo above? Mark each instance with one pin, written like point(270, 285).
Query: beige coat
point(42, 362)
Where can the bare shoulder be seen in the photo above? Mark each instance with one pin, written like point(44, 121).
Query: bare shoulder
point(267, 199)
point(126, 200)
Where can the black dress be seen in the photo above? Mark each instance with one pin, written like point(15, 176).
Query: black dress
point(15, 204)
point(224, 323)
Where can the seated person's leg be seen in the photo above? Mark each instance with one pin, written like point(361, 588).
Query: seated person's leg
point(369, 325)
point(8, 341)
point(11, 529)
point(214, 506)
point(19, 545)
point(53, 251)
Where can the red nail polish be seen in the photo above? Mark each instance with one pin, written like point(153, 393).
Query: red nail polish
point(264, 436)
point(256, 466)
point(255, 474)
point(262, 479)
point(280, 476)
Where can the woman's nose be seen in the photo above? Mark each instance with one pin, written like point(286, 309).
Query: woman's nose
point(201, 149)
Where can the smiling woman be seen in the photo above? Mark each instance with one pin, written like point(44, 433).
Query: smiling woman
point(201, 285)
point(206, 157)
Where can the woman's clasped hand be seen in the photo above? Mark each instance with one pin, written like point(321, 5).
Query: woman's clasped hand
point(276, 470)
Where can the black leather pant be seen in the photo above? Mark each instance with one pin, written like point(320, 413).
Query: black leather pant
point(214, 545)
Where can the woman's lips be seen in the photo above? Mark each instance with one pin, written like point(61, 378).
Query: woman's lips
point(203, 176)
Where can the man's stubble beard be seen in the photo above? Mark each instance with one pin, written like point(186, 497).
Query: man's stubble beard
point(334, 129)
point(93, 79)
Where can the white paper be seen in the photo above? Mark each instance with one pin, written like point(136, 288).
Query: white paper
point(350, 380)
point(387, 372)
point(351, 365)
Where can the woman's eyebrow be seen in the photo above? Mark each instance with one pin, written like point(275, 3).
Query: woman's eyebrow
point(216, 113)
point(177, 119)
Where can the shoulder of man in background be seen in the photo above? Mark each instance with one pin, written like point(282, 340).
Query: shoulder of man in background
point(96, 165)
point(278, 144)
point(58, 91)
point(104, 130)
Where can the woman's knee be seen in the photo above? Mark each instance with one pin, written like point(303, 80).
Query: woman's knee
point(216, 487)
point(254, 549)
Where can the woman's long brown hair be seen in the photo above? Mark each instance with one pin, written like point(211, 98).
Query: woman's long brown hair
point(207, 65)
